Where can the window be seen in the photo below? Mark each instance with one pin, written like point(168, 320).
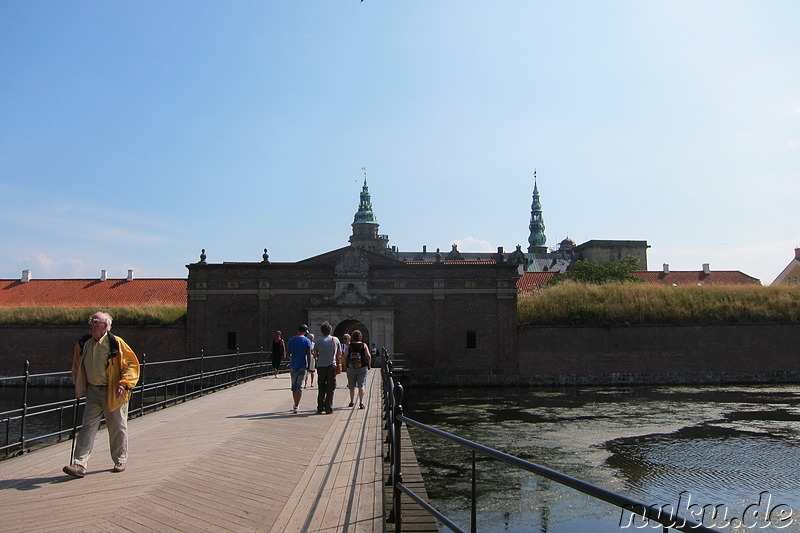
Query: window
point(472, 340)
point(232, 341)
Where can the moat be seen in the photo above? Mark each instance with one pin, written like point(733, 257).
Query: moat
point(730, 446)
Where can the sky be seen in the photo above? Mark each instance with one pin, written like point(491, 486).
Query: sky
point(135, 134)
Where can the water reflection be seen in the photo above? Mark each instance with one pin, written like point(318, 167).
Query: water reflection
point(722, 445)
point(11, 399)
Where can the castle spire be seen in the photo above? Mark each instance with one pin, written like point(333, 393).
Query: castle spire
point(537, 239)
point(365, 224)
point(364, 215)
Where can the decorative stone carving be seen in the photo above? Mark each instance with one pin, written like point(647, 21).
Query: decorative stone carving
point(454, 254)
point(351, 296)
point(352, 265)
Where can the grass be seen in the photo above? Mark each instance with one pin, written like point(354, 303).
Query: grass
point(629, 304)
point(566, 304)
point(65, 316)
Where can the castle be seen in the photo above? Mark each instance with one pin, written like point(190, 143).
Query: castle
point(452, 316)
point(537, 258)
point(456, 310)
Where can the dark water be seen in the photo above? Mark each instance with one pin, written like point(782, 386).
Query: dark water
point(11, 399)
point(735, 448)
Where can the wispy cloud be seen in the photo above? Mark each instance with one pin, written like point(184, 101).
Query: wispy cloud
point(94, 225)
point(471, 244)
point(47, 267)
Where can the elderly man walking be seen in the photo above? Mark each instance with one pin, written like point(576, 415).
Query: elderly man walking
point(104, 369)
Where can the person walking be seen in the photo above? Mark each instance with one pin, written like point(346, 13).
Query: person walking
point(358, 362)
point(373, 353)
point(327, 352)
point(278, 352)
point(299, 348)
point(312, 365)
point(104, 369)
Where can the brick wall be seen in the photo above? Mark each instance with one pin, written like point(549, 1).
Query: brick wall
point(757, 353)
point(49, 348)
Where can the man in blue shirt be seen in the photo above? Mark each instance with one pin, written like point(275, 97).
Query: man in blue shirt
point(299, 348)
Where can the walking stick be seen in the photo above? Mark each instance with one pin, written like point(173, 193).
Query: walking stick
point(74, 431)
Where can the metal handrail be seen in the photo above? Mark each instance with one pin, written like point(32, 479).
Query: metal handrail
point(393, 409)
point(147, 396)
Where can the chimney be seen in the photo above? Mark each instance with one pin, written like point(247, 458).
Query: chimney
point(26, 276)
point(706, 269)
point(103, 275)
point(130, 275)
point(797, 253)
point(666, 268)
point(424, 248)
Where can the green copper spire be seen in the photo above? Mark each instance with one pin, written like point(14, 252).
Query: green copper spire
point(365, 225)
point(365, 215)
point(537, 238)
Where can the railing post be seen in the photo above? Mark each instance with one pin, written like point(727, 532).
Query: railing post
point(397, 475)
point(474, 510)
point(24, 409)
point(202, 353)
point(389, 403)
point(142, 365)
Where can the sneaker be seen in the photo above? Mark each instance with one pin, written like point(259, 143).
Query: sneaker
point(328, 411)
point(351, 404)
point(75, 470)
point(294, 409)
point(119, 467)
point(361, 406)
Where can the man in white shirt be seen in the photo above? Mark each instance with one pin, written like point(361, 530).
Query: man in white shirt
point(328, 355)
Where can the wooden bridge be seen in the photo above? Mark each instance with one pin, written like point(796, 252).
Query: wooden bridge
point(234, 460)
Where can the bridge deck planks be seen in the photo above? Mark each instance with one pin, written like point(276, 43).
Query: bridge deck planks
point(234, 460)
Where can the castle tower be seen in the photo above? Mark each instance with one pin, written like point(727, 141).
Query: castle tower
point(365, 226)
point(537, 239)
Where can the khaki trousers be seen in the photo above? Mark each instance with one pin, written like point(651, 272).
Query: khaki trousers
point(116, 422)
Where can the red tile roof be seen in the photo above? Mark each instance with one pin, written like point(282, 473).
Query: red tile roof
point(93, 293)
point(454, 262)
point(534, 281)
point(696, 277)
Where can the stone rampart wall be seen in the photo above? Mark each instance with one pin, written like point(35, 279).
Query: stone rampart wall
point(567, 355)
point(546, 355)
point(49, 348)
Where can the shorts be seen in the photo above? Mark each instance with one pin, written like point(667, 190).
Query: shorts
point(357, 377)
point(298, 376)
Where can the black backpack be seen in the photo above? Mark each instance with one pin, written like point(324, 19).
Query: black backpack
point(113, 343)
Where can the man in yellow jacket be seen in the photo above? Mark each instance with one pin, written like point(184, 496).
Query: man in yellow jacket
point(104, 369)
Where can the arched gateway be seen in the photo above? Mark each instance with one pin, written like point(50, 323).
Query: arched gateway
point(349, 326)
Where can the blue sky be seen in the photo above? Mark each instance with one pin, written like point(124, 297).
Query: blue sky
point(134, 134)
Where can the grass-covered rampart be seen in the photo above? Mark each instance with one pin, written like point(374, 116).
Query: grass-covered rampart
point(568, 303)
point(614, 304)
point(71, 316)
